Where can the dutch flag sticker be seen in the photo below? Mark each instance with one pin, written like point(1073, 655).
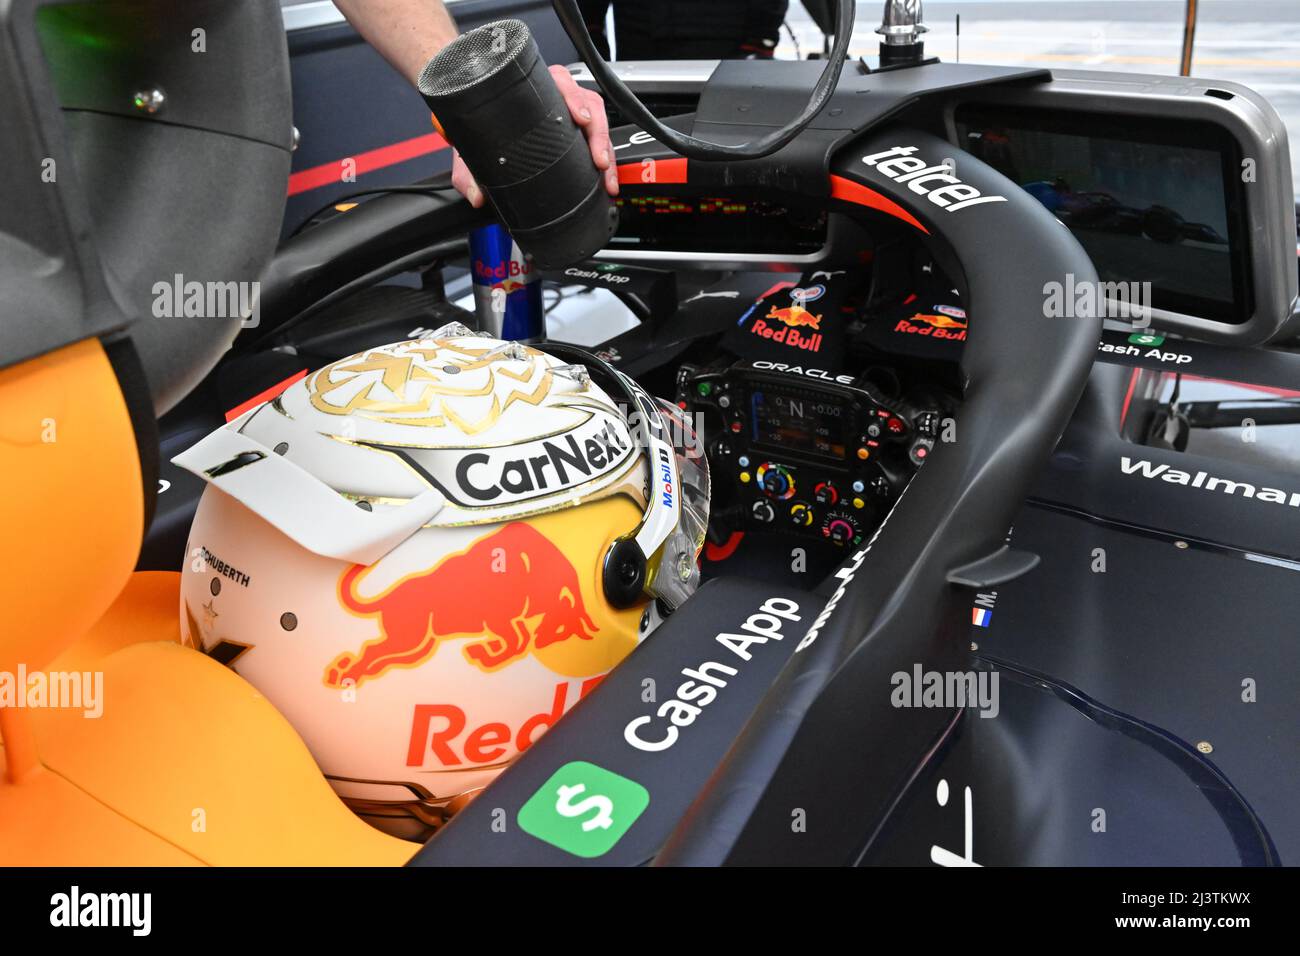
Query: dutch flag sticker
point(980, 617)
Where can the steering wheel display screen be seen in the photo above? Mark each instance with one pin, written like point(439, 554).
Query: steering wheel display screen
point(660, 222)
point(1150, 202)
point(798, 421)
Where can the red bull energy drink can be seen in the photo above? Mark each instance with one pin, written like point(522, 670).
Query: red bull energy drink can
point(507, 287)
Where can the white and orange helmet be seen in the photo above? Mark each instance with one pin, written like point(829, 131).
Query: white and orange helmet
point(425, 554)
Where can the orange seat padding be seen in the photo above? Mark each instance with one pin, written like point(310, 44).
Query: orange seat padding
point(188, 763)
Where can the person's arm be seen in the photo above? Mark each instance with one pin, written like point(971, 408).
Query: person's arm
point(407, 33)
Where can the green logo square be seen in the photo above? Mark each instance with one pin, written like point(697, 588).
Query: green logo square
point(1144, 338)
point(583, 809)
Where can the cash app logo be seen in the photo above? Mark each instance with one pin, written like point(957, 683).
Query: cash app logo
point(1144, 338)
point(583, 809)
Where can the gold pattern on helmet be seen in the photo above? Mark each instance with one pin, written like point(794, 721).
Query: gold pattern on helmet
point(385, 376)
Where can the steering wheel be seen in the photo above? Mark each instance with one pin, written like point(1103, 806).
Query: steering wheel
point(689, 146)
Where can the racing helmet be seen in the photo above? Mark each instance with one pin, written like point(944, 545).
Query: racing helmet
point(424, 554)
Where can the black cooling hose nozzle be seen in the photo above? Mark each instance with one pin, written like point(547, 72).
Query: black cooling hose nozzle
point(495, 100)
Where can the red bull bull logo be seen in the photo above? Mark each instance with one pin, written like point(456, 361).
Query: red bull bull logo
point(945, 322)
point(796, 316)
point(513, 590)
point(939, 321)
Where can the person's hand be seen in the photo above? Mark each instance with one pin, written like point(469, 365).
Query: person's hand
point(587, 110)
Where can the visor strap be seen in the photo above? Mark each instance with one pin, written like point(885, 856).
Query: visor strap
point(664, 507)
point(632, 561)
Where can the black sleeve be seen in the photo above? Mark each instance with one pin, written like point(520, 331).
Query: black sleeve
point(593, 15)
point(765, 18)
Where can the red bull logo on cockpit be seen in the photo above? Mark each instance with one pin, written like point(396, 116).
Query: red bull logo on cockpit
point(944, 322)
point(792, 319)
point(795, 316)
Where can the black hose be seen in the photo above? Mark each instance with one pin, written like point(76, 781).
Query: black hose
point(689, 146)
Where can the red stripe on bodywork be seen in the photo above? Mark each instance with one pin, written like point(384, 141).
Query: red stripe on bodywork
point(775, 289)
point(330, 173)
point(849, 191)
point(266, 396)
point(1266, 389)
point(1128, 398)
point(671, 171)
